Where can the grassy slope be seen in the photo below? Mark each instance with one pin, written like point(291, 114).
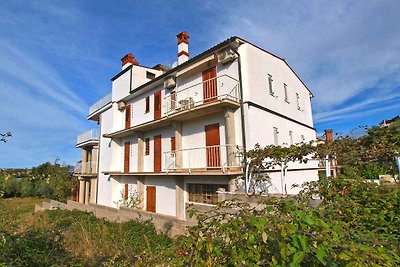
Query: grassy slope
point(73, 238)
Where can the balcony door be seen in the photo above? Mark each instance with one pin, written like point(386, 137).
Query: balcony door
point(127, 153)
point(157, 153)
point(157, 105)
point(210, 85)
point(128, 117)
point(212, 144)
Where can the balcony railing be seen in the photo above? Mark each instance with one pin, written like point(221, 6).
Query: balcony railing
point(99, 104)
point(218, 88)
point(89, 167)
point(221, 157)
point(91, 135)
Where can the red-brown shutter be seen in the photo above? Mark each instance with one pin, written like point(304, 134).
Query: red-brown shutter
point(147, 104)
point(151, 198)
point(157, 105)
point(212, 144)
point(126, 191)
point(157, 153)
point(210, 84)
point(128, 116)
point(127, 154)
point(173, 145)
point(147, 146)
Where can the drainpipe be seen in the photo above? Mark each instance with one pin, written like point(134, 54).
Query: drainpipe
point(241, 107)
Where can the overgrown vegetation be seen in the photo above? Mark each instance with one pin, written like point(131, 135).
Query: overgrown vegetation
point(45, 181)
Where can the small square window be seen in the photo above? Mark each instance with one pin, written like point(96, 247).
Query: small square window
point(298, 101)
point(150, 75)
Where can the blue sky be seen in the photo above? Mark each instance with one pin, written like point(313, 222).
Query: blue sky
point(57, 58)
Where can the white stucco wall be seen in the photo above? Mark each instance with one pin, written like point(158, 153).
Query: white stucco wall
point(165, 194)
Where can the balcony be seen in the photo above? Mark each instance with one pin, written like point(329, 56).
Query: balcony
point(220, 88)
point(88, 168)
point(100, 105)
point(198, 100)
point(88, 138)
point(221, 158)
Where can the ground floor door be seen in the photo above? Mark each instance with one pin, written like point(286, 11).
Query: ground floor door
point(151, 198)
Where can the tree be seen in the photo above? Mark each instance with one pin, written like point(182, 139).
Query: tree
point(261, 159)
point(4, 136)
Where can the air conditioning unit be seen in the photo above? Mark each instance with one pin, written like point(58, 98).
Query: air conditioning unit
point(170, 82)
point(226, 56)
point(121, 105)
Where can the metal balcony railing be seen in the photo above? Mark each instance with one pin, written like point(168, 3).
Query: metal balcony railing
point(91, 135)
point(219, 157)
point(218, 88)
point(99, 104)
point(89, 167)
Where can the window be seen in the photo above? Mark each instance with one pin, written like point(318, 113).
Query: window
point(286, 93)
point(147, 146)
point(290, 138)
point(147, 104)
point(303, 138)
point(276, 141)
point(205, 193)
point(298, 101)
point(271, 90)
point(173, 145)
point(150, 75)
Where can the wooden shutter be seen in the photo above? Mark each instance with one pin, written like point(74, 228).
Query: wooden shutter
point(147, 146)
point(212, 144)
point(157, 153)
point(210, 85)
point(173, 100)
point(147, 110)
point(126, 191)
point(128, 116)
point(151, 198)
point(173, 144)
point(127, 154)
point(157, 105)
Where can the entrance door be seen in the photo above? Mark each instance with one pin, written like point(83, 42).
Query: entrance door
point(157, 105)
point(127, 153)
point(212, 144)
point(157, 153)
point(151, 198)
point(210, 85)
point(128, 117)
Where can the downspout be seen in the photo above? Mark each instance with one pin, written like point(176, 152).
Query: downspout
point(243, 127)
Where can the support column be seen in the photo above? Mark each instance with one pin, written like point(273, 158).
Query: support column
point(84, 160)
point(81, 190)
point(140, 190)
point(230, 137)
point(232, 185)
point(180, 197)
point(140, 153)
point(178, 144)
point(95, 155)
point(87, 188)
point(93, 183)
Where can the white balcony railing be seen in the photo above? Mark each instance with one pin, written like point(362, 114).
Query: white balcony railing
point(219, 88)
point(91, 135)
point(220, 157)
point(89, 167)
point(99, 104)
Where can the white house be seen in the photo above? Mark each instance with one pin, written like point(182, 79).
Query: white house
point(174, 135)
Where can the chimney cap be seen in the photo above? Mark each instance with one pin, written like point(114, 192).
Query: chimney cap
point(329, 135)
point(129, 58)
point(183, 37)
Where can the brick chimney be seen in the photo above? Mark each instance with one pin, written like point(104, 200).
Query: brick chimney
point(128, 60)
point(183, 47)
point(329, 135)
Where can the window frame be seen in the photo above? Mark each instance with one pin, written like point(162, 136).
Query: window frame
point(147, 107)
point(147, 146)
point(270, 85)
point(286, 93)
point(276, 138)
